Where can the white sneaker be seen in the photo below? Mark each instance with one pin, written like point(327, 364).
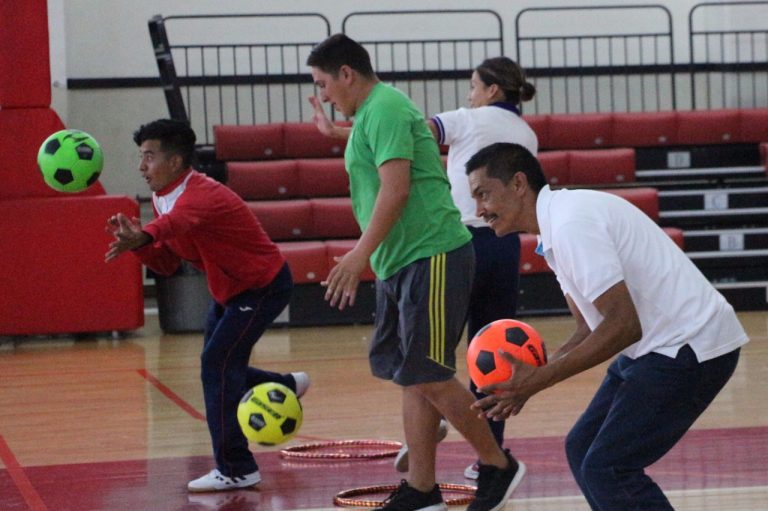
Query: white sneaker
point(216, 481)
point(302, 383)
point(401, 460)
point(472, 471)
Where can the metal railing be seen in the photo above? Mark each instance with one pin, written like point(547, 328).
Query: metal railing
point(593, 65)
point(434, 71)
point(729, 67)
point(223, 69)
point(229, 81)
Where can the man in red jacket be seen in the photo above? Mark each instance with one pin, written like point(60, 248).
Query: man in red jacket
point(202, 221)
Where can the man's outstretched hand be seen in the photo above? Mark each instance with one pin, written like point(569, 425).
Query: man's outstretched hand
point(128, 235)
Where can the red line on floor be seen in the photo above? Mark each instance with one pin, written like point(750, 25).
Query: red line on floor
point(171, 394)
point(20, 479)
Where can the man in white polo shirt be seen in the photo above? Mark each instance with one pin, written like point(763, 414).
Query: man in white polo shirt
point(633, 293)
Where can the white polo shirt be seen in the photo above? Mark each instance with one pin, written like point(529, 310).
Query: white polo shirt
point(466, 131)
point(593, 240)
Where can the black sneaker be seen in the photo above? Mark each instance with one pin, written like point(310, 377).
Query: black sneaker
point(407, 498)
point(495, 485)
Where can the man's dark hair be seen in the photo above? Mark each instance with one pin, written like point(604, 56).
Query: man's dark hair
point(339, 50)
point(503, 160)
point(176, 137)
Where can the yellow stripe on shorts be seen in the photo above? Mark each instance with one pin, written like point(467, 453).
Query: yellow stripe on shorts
point(437, 308)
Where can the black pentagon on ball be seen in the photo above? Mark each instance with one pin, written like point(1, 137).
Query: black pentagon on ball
point(52, 146)
point(276, 396)
point(486, 362)
point(288, 426)
point(94, 177)
point(63, 176)
point(516, 336)
point(84, 151)
point(256, 421)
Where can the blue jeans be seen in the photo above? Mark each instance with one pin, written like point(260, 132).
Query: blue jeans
point(640, 411)
point(230, 334)
point(494, 290)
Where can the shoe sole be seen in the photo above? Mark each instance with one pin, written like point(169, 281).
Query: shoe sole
point(521, 469)
point(210, 489)
point(226, 488)
point(401, 460)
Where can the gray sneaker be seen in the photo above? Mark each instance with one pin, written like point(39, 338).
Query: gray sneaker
point(401, 460)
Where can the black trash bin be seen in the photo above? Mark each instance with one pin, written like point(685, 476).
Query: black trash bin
point(182, 300)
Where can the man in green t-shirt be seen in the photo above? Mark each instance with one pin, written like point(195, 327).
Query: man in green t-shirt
point(423, 260)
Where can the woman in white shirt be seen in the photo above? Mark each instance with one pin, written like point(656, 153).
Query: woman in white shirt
point(497, 88)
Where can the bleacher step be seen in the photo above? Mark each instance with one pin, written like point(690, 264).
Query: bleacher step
point(739, 254)
point(719, 198)
point(728, 254)
point(745, 295)
point(747, 206)
point(701, 173)
point(715, 218)
point(726, 240)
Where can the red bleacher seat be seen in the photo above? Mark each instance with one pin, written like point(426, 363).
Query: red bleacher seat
point(322, 177)
point(284, 220)
point(540, 125)
point(643, 129)
point(677, 236)
point(645, 198)
point(753, 125)
point(303, 140)
point(337, 248)
point(555, 167)
point(530, 261)
point(308, 260)
point(602, 166)
point(255, 142)
point(333, 218)
point(582, 131)
point(263, 180)
point(707, 126)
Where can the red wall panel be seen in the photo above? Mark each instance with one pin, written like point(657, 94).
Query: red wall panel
point(25, 74)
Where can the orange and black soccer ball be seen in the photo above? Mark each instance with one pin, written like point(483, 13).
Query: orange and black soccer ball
point(486, 365)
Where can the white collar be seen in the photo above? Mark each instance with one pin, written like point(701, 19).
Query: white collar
point(543, 202)
point(165, 203)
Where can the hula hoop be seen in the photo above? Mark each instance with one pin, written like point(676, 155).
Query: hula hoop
point(345, 498)
point(306, 451)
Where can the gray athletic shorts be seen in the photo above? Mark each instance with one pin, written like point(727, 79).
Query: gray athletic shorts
point(420, 315)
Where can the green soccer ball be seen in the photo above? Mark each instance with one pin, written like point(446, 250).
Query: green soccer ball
point(70, 160)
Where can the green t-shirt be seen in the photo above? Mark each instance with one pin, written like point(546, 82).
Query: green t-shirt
point(388, 126)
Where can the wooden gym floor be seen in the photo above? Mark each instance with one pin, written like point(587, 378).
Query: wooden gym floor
point(105, 424)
